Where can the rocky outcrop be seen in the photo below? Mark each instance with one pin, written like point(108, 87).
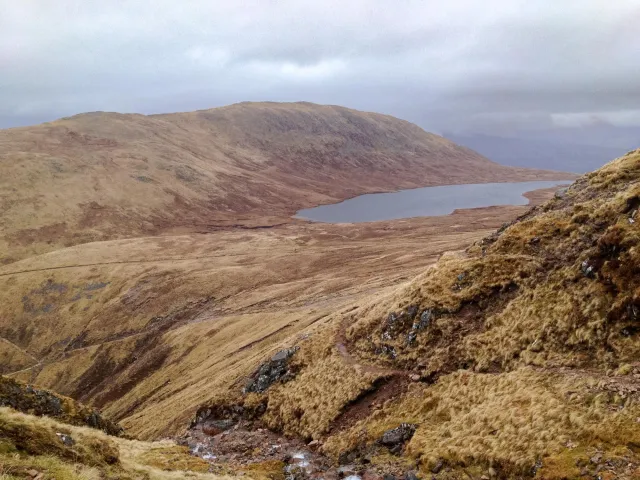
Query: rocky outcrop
point(274, 370)
point(396, 438)
point(409, 322)
point(35, 401)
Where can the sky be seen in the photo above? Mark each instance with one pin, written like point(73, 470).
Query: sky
point(461, 65)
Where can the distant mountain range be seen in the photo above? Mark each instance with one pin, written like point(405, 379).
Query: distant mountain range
point(556, 152)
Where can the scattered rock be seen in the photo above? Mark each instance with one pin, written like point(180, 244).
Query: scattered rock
point(411, 476)
point(386, 350)
point(424, 320)
point(274, 370)
point(214, 427)
point(414, 377)
point(395, 438)
point(66, 439)
point(437, 467)
point(346, 469)
point(588, 269)
point(492, 472)
point(561, 193)
point(347, 458)
point(397, 323)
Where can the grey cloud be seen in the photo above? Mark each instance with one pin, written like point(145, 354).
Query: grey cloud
point(462, 65)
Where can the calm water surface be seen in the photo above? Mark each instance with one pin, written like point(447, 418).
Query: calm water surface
point(424, 202)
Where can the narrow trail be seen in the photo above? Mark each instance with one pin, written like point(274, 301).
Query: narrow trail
point(123, 262)
point(22, 350)
point(341, 345)
point(389, 384)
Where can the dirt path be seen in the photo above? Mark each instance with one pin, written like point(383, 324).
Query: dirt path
point(123, 262)
point(390, 384)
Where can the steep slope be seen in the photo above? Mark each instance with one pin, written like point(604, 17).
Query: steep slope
point(44, 435)
point(517, 358)
point(34, 447)
point(35, 401)
point(101, 176)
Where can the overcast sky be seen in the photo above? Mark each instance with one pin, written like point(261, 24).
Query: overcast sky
point(459, 65)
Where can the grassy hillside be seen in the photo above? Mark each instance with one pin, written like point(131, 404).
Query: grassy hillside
point(36, 401)
point(101, 176)
point(148, 329)
point(46, 436)
point(42, 448)
point(518, 357)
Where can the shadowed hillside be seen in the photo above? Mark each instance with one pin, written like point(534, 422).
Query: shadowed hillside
point(100, 176)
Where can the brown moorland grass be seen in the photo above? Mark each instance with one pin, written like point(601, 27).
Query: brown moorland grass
point(36, 401)
point(102, 176)
point(528, 364)
point(149, 329)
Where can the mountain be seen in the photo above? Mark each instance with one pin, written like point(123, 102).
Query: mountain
point(516, 357)
point(270, 348)
point(102, 176)
point(540, 153)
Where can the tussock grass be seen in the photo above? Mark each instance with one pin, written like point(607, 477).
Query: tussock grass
point(184, 319)
point(508, 420)
point(30, 443)
point(528, 328)
point(29, 399)
point(307, 405)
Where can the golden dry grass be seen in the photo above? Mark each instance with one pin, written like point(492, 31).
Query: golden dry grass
point(37, 401)
point(510, 420)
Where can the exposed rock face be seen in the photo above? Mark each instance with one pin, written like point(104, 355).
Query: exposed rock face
point(28, 399)
point(395, 438)
point(406, 322)
point(274, 370)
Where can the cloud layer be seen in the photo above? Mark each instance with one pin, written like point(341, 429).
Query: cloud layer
point(458, 65)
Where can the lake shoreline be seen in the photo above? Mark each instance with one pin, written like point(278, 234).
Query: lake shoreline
point(432, 201)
